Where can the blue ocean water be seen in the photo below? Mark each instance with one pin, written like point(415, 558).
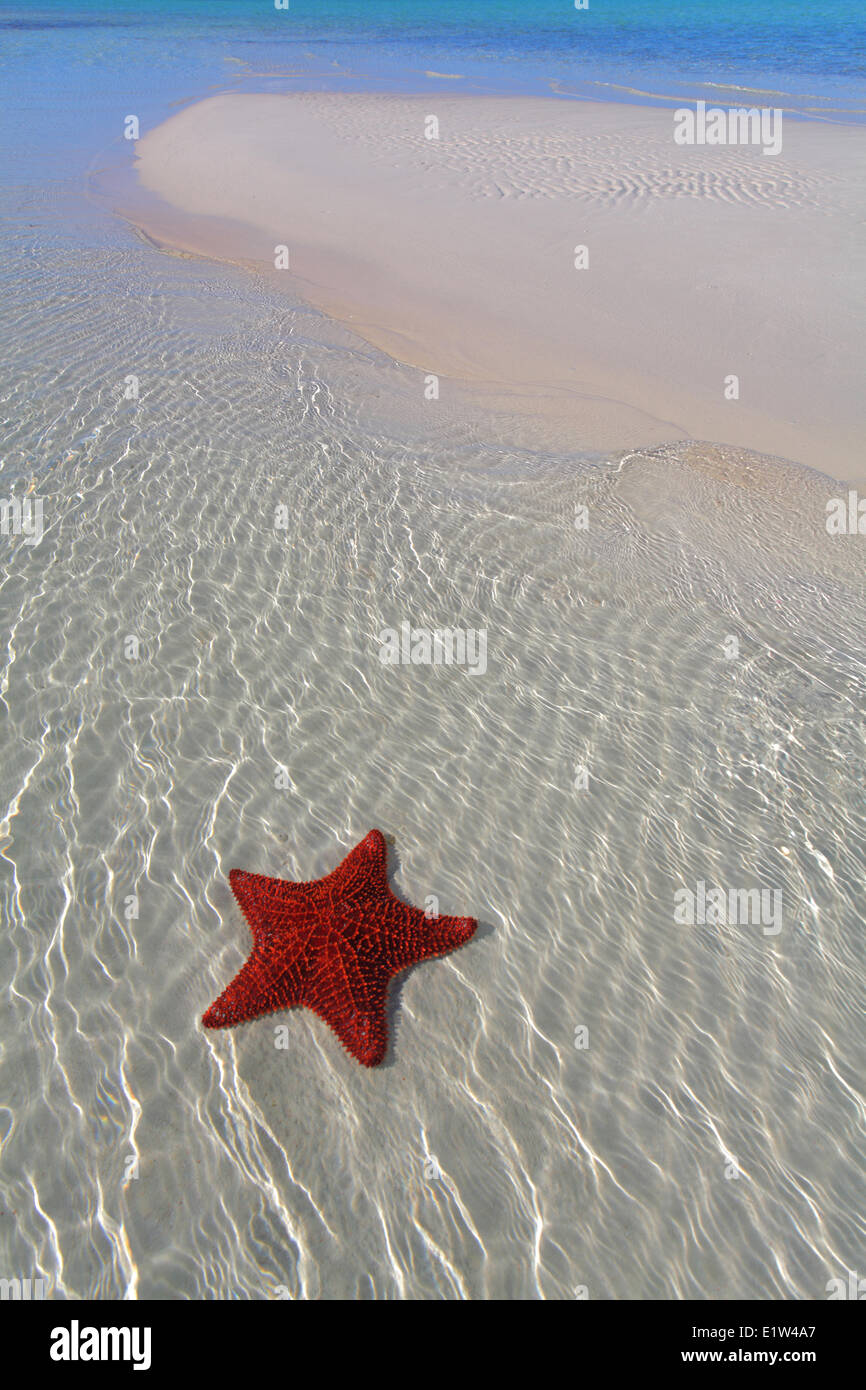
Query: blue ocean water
point(812, 54)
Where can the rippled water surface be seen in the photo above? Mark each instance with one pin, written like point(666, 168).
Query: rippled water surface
point(590, 1095)
point(260, 1168)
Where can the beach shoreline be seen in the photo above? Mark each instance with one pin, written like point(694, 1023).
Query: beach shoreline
point(567, 262)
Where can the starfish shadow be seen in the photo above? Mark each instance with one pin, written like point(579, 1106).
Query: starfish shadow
point(398, 983)
point(395, 996)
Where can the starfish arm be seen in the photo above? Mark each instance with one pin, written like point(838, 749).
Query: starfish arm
point(255, 990)
point(350, 999)
point(418, 937)
point(363, 872)
point(263, 900)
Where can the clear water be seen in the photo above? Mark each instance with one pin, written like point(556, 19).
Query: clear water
point(708, 1141)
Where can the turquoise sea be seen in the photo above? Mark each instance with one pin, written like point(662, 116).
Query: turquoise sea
point(590, 1096)
point(779, 45)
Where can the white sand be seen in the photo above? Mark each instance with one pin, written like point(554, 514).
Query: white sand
point(456, 256)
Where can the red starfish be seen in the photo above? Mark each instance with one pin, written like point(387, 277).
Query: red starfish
point(332, 945)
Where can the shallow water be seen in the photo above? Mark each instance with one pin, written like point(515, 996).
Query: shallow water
point(708, 1140)
point(260, 1168)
